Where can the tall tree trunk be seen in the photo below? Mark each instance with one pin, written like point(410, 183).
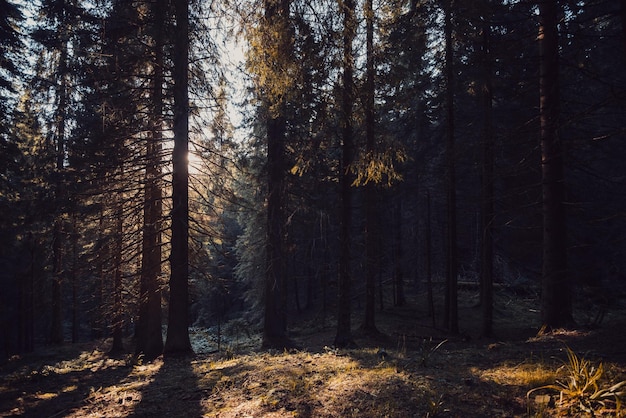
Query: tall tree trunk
point(74, 281)
point(58, 237)
point(177, 341)
point(275, 320)
point(149, 336)
point(372, 230)
point(398, 255)
point(118, 242)
point(275, 325)
point(429, 276)
point(487, 213)
point(343, 338)
point(556, 304)
point(451, 317)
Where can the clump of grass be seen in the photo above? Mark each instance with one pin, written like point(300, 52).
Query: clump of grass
point(527, 374)
point(583, 389)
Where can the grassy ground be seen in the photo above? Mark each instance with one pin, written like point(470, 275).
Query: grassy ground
point(411, 370)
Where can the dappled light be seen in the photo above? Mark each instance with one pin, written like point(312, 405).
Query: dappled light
point(292, 208)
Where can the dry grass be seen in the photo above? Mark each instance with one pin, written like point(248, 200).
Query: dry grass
point(465, 377)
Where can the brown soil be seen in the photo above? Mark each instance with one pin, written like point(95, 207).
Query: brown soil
point(403, 372)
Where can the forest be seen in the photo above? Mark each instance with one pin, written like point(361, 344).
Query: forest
point(244, 194)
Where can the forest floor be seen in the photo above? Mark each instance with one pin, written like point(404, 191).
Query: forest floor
point(411, 369)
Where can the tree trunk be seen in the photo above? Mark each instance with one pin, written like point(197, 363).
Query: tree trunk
point(275, 325)
point(56, 336)
point(372, 230)
point(275, 321)
point(556, 304)
point(149, 337)
point(74, 281)
point(398, 255)
point(429, 275)
point(343, 338)
point(487, 213)
point(117, 321)
point(177, 341)
point(451, 317)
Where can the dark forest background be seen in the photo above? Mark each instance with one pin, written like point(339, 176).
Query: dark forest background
point(341, 156)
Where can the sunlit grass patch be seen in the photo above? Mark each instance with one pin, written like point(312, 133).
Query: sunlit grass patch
point(46, 396)
point(527, 374)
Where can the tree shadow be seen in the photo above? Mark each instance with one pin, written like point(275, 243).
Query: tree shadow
point(57, 387)
point(173, 392)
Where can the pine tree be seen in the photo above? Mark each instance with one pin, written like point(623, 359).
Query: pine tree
point(177, 341)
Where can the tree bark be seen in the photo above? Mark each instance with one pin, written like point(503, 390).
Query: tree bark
point(398, 255)
point(556, 304)
point(343, 338)
point(372, 229)
point(149, 337)
point(275, 320)
point(451, 318)
point(487, 213)
point(117, 346)
point(275, 325)
point(58, 239)
point(177, 341)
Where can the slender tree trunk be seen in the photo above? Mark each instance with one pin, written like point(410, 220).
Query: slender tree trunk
point(398, 256)
point(74, 281)
point(451, 318)
point(487, 213)
point(117, 321)
point(372, 230)
point(56, 336)
point(177, 341)
point(149, 336)
point(343, 337)
point(429, 276)
point(556, 304)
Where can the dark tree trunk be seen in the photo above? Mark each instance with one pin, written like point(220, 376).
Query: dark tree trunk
point(275, 321)
point(117, 321)
point(429, 276)
point(451, 317)
point(177, 341)
point(74, 282)
point(56, 330)
point(58, 238)
point(487, 213)
point(275, 325)
point(398, 256)
point(556, 304)
point(343, 338)
point(25, 321)
point(149, 336)
point(372, 229)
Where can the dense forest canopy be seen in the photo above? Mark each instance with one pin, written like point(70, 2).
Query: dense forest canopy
point(167, 164)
